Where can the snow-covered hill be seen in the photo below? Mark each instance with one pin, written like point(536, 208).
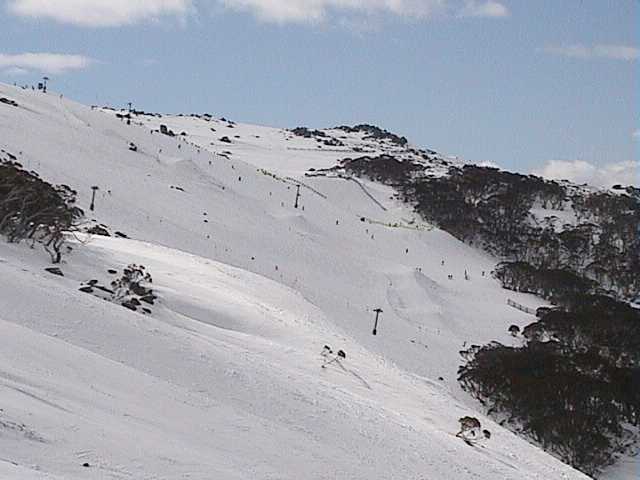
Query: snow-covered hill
point(224, 380)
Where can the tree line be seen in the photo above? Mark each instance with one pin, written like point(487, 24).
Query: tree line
point(493, 209)
point(573, 385)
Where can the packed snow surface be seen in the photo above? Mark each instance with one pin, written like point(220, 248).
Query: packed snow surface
point(223, 380)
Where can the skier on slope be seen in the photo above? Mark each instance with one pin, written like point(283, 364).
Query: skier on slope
point(327, 353)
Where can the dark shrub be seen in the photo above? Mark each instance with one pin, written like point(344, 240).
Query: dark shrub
point(32, 209)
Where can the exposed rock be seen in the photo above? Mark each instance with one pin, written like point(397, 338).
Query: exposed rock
point(104, 289)
point(55, 271)
point(130, 305)
point(166, 131)
point(306, 133)
point(99, 230)
point(8, 101)
point(150, 299)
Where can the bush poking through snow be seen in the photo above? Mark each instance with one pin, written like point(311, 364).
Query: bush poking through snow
point(132, 290)
point(469, 428)
point(514, 330)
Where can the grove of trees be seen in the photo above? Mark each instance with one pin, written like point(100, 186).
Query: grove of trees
point(573, 386)
point(34, 210)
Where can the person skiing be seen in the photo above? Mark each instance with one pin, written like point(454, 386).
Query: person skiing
point(327, 353)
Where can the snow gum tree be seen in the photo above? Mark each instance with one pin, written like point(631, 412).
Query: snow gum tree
point(34, 210)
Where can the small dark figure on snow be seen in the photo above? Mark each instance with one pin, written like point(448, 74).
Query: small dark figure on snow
point(326, 350)
point(328, 354)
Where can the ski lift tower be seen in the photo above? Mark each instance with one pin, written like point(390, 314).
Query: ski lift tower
point(375, 325)
point(93, 198)
point(297, 196)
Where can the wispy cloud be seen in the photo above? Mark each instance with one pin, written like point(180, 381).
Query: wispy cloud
point(579, 171)
point(113, 13)
point(314, 11)
point(149, 62)
point(99, 13)
point(14, 71)
point(490, 9)
point(43, 63)
point(636, 134)
point(615, 52)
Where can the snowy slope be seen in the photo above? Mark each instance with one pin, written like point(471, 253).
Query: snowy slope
point(223, 380)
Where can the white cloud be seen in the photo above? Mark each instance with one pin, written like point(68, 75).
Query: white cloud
point(43, 62)
point(618, 52)
point(111, 13)
point(14, 71)
point(99, 13)
point(636, 134)
point(149, 62)
point(491, 9)
point(312, 11)
point(615, 52)
point(579, 171)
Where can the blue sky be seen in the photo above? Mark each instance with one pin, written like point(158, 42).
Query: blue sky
point(547, 86)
